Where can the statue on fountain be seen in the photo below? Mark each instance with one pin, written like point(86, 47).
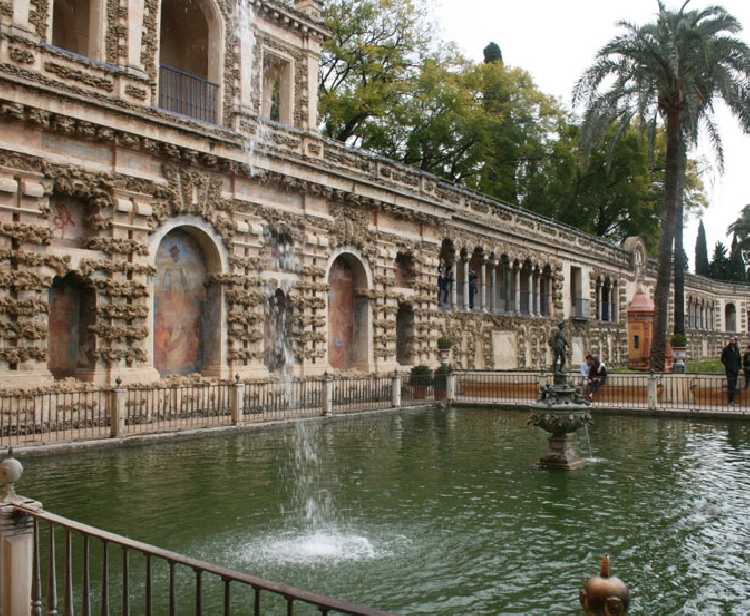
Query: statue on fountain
point(559, 344)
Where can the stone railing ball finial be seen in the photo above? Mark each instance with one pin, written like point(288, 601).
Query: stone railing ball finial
point(10, 472)
point(604, 595)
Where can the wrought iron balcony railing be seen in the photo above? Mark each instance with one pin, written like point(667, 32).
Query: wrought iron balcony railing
point(188, 95)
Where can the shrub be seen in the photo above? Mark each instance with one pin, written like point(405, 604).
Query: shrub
point(678, 341)
point(421, 375)
point(444, 343)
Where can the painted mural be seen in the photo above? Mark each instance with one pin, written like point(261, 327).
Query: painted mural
point(340, 315)
point(179, 305)
point(71, 314)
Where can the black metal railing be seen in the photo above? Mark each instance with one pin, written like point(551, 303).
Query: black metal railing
point(139, 576)
point(188, 95)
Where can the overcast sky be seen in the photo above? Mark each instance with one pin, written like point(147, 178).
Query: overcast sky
point(555, 41)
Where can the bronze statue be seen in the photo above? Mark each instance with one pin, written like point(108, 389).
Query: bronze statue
point(559, 344)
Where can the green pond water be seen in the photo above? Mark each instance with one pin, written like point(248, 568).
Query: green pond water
point(439, 512)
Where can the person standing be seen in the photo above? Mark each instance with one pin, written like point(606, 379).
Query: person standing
point(746, 366)
point(730, 357)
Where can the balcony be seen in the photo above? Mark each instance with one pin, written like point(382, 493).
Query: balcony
point(580, 309)
point(188, 95)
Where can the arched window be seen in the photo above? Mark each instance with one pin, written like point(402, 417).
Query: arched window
point(78, 27)
point(190, 58)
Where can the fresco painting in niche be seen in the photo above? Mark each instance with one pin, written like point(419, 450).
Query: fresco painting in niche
point(340, 315)
point(64, 304)
point(66, 221)
point(179, 305)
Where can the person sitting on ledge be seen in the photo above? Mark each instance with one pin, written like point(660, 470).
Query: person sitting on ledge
point(597, 375)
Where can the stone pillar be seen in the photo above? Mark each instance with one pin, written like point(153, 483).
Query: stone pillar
point(328, 395)
point(517, 289)
point(538, 295)
point(16, 543)
point(450, 386)
point(479, 302)
point(652, 391)
point(117, 410)
point(493, 286)
point(237, 401)
point(135, 28)
point(396, 390)
point(465, 302)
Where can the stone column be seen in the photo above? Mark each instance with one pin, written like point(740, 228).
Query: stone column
point(135, 29)
point(237, 401)
point(117, 410)
point(328, 395)
point(396, 390)
point(479, 298)
point(493, 286)
point(16, 543)
point(517, 289)
point(466, 282)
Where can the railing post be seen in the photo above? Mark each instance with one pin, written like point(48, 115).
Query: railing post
point(16, 543)
point(328, 395)
point(652, 381)
point(117, 409)
point(396, 389)
point(237, 394)
point(450, 386)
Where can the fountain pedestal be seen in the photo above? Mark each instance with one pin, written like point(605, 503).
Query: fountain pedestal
point(561, 411)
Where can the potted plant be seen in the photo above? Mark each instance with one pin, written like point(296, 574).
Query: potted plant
point(441, 381)
point(421, 379)
point(678, 341)
point(444, 344)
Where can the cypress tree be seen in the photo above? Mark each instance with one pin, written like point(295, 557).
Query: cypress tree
point(701, 251)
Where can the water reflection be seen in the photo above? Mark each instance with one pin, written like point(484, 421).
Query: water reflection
point(438, 512)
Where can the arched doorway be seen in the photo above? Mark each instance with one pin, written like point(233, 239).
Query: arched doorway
point(186, 307)
point(349, 315)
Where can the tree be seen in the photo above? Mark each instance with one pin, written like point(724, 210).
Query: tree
point(368, 61)
point(674, 71)
point(492, 53)
point(738, 263)
point(701, 251)
point(720, 267)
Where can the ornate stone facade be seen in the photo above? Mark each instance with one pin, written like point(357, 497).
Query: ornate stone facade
point(159, 219)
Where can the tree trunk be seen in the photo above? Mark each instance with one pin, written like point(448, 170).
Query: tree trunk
point(679, 251)
point(666, 240)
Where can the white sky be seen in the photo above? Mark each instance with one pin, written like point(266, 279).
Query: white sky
point(556, 40)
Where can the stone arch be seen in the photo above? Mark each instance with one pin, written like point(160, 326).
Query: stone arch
point(78, 26)
point(72, 310)
point(349, 311)
point(191, 58)
point(188, 308)
point(730, 317)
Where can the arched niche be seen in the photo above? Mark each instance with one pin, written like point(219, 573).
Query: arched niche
point(187, 312)
point(72, 306)
point(349, 313)
point(277, 350)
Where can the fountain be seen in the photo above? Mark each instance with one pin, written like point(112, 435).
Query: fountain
point(560, 410)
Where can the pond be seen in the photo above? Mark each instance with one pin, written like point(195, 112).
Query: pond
point(437, 511)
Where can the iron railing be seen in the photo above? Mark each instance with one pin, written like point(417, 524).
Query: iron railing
point(188, 95)
point(99, 570)
point(48, 417)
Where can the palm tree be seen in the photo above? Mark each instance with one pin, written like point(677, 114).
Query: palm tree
point(670, 73)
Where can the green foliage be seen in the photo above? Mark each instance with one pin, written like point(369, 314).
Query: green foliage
point(492, 53)
point(678, 341)
point(444, 342)
point(421, 375)
point(720, 267)
point(705, 367)
point(738, 263)
point(701, 252)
